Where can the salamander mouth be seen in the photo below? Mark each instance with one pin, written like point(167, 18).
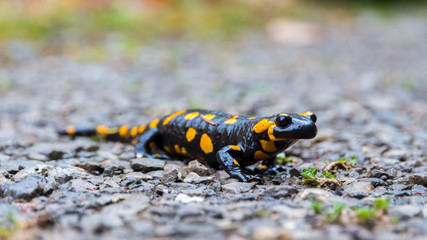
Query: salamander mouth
point(295, 132)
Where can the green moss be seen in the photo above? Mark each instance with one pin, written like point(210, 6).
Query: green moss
point(317, 207)
point(8, 226)
point(366, 214)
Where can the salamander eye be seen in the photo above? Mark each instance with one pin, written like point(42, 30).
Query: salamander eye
point(283, 120)
point(313, 118)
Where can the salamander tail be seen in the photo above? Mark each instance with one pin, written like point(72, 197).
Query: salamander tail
point(120, 134)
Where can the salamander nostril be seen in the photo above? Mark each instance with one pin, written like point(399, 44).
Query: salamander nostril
point(313, 118)
point(283, 120)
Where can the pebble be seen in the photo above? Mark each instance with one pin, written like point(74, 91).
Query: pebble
point(133, 177)
point(80, 185)
point(156, 174)
point(314, 194)
point(237, 187)
point(405, 212)
point(358, 189)
point(146, 164)
point(193, 177)
point(196, 167)
point(27, 189)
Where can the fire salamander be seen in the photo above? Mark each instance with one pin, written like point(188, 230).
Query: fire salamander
point(218, 139)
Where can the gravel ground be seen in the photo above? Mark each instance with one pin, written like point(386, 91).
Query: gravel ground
point(365, 80)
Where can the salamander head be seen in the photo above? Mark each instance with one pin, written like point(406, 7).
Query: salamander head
point(293, 126)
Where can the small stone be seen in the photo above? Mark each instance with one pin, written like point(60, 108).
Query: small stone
point(406, 212)
point(194, 178)
point(134, 177)
point(172, 173)
point(147, 164)
point(222, 175)
point(186, 199)
point(237, 187)
point(30, 187)
point(314, 194)
point(37, 156)
point(157, 174)
point(92, 167)
point(400, 154)
point(80, 185)
point(279, 191)
point(358, 189)
point(266, 233)
point(375, 173)
point(197, 167)
point(400, 187)
point(374, 181)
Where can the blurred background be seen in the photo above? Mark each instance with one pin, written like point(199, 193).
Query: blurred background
point(86, 62)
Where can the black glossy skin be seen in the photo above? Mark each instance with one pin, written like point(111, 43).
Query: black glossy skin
point(235, 144)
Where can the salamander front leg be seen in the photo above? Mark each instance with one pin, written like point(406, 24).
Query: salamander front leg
point(269, 166)
point(232, 166)
point(147, 143)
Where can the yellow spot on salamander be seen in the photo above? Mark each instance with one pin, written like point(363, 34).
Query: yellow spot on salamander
point(262, 126)
point(141, 128)
point(236, 162)
point(153, 124)
point(235, 147)
point(208, 119)
point(271, 134)
point(206, 144)
point(70, 130)
point(123, 131)
point(231, 120)
point(210, 116)
point(167, 149)
point(191, 115)
point(252, 118)
point(177, 149)
point(102, 129)
point(134, 131)
point(168, 119)
point(308, 113)
point(268, 146)
point(183, 151)
point(262, 166)
point(151, 145)
point(191, 133)
point(259, 155)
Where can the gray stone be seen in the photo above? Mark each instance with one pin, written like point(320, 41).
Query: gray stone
point(156, 174)
point(134, 177)
point(374, 181)
point(147, 164)
point(37, 156)
point(314, 194)
point(406, 212)
point(172, 173)
point(30, 187)
point(353, 189)
point(197, 167)
point(237, 187)
point(80, 185)
point(400, 154)
point(194, 178)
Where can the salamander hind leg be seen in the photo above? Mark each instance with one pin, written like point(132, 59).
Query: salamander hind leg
point(232, 166)
point(148, 145)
